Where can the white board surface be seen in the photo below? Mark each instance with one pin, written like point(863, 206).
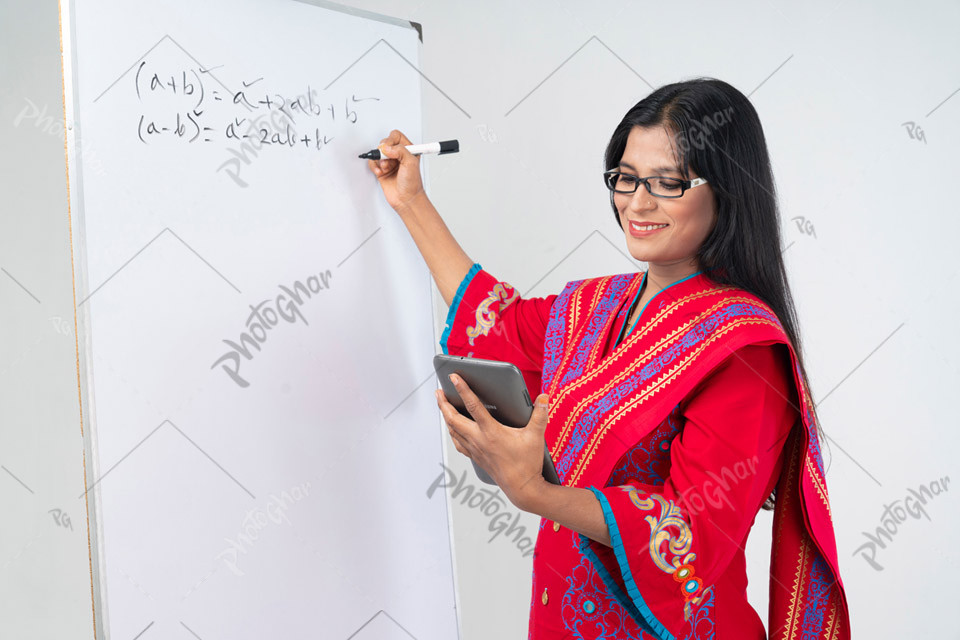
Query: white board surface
point(257, 323)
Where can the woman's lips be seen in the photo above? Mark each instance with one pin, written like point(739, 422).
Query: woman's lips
point(637, 233)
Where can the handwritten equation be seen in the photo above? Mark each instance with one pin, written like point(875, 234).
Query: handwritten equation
point(255, 113)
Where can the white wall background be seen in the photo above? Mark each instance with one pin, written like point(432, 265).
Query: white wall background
point(45, 583)
point(533, 91)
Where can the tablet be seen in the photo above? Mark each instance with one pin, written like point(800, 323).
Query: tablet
point(501, 389)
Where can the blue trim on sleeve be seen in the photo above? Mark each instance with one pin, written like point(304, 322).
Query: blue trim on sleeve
point(612, 586)
point(638, 606)
point(452, 311)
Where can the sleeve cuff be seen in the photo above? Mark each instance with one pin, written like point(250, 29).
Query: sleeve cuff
point(612, 562)
point(455, 304)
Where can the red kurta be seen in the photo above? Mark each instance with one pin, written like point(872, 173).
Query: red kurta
point(680, 500)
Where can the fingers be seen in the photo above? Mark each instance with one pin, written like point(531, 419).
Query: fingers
point(542, 404)
point(392, 149)
point(385, 166)
point(470, 399)
point(457, 443)
point(396, 137)
point(450, 415)
point(390, 155)
point(388, 144)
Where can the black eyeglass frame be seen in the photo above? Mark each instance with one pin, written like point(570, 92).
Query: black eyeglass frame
point(684, 184)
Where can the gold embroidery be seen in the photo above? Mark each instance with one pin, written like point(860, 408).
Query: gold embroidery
point(678, 545)
point(792, 624)
point(643, 359)
point(487, 317)
point(832, 631)
point(818, 483)
point(574, 331)
point(586, 455)
point(625, 371)
point(680, 565)
point(562, 396)
point(611, 321)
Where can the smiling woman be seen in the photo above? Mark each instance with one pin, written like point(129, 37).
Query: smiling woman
point(678, 403)
point(681, 218)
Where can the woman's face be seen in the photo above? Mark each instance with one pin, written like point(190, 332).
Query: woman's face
point(689, 218)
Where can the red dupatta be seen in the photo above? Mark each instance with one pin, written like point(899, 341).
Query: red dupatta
point(601, 404)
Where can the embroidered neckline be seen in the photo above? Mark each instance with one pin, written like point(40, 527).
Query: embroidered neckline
point(643, 281)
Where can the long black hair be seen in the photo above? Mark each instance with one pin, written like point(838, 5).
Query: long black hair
point(716, 132)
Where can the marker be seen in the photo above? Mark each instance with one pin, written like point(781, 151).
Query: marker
point(440, 148)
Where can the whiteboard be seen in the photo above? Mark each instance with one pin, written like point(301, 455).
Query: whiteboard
point(256, 325)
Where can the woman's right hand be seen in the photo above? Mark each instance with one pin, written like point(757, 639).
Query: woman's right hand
point(398, 171)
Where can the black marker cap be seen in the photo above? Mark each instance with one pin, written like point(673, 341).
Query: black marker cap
point(449, 146)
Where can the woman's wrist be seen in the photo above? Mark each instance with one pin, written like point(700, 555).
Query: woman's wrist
point(531, 497)
point(414, 205)
point(573, 507)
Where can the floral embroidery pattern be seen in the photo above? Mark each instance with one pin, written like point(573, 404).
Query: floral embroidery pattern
point(590, 612)
point(702, 625)
point(817, 598)
point(669, 527)
point(486, 317)
point(648, 461)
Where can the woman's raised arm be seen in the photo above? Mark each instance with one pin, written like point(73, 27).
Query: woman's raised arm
point(399, 177)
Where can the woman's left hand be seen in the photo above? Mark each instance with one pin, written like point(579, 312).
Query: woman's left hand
point(513, 456)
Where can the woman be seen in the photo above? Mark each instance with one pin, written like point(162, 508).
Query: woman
point(677, 401)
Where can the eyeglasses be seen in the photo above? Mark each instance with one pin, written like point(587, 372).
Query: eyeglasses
point(659, 186)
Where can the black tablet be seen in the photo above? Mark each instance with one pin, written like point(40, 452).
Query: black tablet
point(501, 389)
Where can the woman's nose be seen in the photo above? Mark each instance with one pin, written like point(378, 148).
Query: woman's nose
point(642, 199)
